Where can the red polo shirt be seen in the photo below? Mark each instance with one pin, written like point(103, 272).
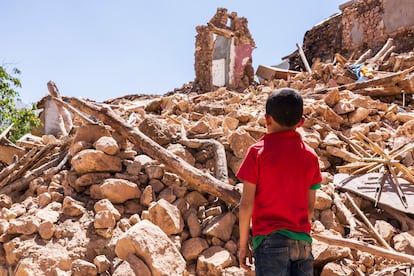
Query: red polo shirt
point(284, 168)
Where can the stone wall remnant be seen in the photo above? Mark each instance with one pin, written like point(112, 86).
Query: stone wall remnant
point(361, 25)
point(223, 53)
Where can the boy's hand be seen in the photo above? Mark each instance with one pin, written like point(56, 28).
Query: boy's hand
point(245, 253)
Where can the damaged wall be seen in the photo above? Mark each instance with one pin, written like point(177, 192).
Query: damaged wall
point(204, 57)
point(323, 41)
point(362, 25)
point(223, 54)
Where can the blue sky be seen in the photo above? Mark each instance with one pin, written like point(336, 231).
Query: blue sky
point(106, 49)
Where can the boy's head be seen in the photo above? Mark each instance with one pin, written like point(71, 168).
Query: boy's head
point(285, 105)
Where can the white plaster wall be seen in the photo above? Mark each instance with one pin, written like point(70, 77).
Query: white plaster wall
point(219, 72)
point(54, 124)
point(232, 58)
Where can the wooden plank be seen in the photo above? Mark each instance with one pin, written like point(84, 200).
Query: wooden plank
point(304, 60)
point(387, 80)
point(223, 32)
point(366, 185)
point(270, 73)
point(29, 141)
point(407, 84)
point(4, 133)
point(8, 151)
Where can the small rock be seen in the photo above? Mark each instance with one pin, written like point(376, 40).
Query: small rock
point(83, 268)
point(102, 263)
point(72, 207)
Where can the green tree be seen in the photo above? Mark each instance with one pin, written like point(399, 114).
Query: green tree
point(23, 119)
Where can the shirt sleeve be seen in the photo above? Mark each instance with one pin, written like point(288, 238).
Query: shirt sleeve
point(249, 169)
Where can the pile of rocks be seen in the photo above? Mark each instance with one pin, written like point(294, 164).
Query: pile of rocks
point(112, 208)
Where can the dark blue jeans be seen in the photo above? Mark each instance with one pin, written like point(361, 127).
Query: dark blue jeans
point(278, 255)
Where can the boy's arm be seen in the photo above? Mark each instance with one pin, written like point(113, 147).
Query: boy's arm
point(311, 203)
point(245, 214)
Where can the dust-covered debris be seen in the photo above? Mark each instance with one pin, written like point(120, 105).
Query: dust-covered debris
point(147, 183)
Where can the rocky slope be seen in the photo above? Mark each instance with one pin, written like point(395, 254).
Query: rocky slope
point(96, 203)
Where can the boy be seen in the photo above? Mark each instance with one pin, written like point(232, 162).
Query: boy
point(280, 174)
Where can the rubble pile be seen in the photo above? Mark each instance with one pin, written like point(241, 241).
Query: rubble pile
point(361, 26)
point(146, 184)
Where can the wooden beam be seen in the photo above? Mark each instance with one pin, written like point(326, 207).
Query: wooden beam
point(194, 178)
point(374, 232)
point(387, 80)
point(9, 151)
point(270, 73)
point(385, 50)
point(4, 133)
point(23, 182)
point(73, 110)
point(365, 247)
point(223, 32)
point(363, 57)
point(220, 170)
point(303, 57)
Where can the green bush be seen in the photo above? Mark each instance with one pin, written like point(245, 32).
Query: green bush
point(23, 119)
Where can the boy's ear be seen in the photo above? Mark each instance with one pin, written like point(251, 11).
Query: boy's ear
point(301, 122)
point(268, 119)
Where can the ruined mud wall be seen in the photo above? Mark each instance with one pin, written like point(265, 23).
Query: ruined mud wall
point(362, 25)
point(323, 40)
point(220, 18)
point(242, 33)
point(368, 24)
point(203, 58)
point(228, 38)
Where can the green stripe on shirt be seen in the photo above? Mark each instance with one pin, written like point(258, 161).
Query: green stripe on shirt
point(316, 186)
point(291, 235)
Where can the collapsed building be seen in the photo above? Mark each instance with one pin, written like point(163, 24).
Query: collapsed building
point(145, 185)
point(360, 26)
point(223, 54)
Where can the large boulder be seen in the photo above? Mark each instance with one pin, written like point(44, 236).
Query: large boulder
point(166, 216)
point(107, 144)
point(90, 160)
point(152, 245)
point(221, 226)
point(240, 141)
point(214, 260)
point(115, 190)
point(132, 266)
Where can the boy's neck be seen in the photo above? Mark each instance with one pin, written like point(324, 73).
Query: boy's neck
point(273, 128)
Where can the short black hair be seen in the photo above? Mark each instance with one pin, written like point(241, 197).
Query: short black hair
point(285, 105)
